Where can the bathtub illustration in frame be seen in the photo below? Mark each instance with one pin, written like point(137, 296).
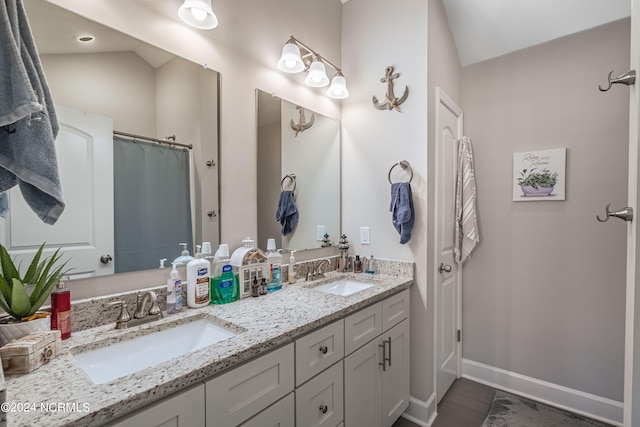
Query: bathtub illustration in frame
point(539, 175)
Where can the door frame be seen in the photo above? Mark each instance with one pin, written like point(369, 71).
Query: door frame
point(443, 99)
point(631, 407)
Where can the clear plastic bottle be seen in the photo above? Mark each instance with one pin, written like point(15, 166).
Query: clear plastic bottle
point(274, 264)
point(174, 291)
point(224, 282)
point(198, 284)
point(371, 266)
point(291, 273)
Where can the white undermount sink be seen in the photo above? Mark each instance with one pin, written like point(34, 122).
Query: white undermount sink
point(115, 360)
point(343, 287)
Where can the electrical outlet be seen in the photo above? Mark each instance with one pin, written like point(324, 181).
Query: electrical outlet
point(319, 233)
point(364, 236)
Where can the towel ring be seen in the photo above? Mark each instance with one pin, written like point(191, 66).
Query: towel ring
point(404, 165)
point(292, 177)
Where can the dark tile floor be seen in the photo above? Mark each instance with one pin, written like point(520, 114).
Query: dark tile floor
point(466, 404)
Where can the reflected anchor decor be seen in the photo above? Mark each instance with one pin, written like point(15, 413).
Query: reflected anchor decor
point(391, 102)
point(303, 124)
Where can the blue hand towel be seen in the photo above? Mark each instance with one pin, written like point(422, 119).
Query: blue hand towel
point(287, 212)
point(27, 150)
point(402, 210)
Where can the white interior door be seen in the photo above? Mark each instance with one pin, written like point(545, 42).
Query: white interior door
point(84, 231)
point(632, 327)
point(448, 277)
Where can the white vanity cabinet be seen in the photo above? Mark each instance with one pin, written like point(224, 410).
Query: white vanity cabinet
point(182, 409)
point(353, 372)
point(376, 375)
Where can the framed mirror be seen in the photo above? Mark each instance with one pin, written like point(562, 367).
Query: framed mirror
point(299, 151)
point(111, 91)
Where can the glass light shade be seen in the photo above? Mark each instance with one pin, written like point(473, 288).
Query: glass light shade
point(198, 14)
point(290, 61)
point(317, 76)
point(338, 88)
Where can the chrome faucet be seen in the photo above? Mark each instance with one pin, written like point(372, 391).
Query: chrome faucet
point(315, 272)
point(141, 305)
point(140, 317)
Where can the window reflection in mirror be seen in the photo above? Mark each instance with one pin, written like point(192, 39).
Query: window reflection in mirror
point(125, 85)
point(305, 145)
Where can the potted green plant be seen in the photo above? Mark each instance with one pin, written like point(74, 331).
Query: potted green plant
point(539, 183)
point(21, 296)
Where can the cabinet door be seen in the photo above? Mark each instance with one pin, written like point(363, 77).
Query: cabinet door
point(241, 393)
point(395, 377)
point(363, 386)
point(280, 414)
point(183, 409)
point(318, 350)
point(395, 309)
point(361, 327)
point(319, 402)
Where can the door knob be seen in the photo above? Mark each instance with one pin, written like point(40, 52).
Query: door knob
point(106, 259)
point(444, 268)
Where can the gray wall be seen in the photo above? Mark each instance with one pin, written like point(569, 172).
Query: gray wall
point(544, 292)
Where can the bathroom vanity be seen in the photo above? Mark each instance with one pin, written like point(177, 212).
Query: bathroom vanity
point(290, 357)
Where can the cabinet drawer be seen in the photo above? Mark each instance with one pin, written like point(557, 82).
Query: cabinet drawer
point(319, 350)
point(182, 409)
point(319, 402)
point(237, 395)
point(395, 309)
point(361, 327)
point(280, 414)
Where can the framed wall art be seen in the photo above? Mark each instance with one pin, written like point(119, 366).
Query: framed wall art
point(539, 175)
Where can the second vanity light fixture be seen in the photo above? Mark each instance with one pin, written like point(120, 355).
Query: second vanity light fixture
point(198, 14)
point(297, 57)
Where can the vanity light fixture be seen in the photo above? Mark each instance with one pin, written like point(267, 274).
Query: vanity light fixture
point(198, 14)
point(297, 57)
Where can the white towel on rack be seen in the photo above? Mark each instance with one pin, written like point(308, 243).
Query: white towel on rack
point(466, 225)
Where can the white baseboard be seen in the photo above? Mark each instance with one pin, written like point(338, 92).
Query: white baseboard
point(588, 405)
point(421, 413)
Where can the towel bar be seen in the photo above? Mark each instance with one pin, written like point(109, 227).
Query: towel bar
point(404, 165)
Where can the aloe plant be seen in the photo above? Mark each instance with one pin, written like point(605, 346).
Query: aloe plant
point(44, 275)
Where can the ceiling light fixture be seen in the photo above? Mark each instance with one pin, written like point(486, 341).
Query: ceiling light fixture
point(198, 14)
point(297, 57)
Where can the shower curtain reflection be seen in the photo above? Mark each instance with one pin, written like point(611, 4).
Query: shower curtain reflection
point(152, 206)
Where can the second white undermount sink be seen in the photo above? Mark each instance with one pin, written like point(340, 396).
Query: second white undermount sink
point(116, 360)
point(343, 287)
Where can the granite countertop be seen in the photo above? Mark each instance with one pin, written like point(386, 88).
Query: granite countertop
point(60, 393)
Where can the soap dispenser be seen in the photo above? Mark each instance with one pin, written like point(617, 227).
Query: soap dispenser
point(174, 291)
point(291, 272)
point(224, 282)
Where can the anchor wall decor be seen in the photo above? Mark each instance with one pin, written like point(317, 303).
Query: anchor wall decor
point(391, 102)
point(303, 124)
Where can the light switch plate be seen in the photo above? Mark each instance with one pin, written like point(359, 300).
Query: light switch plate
point(319, 232)
point(364, 236)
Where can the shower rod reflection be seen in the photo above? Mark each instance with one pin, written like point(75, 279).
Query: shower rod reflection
point(156, 140)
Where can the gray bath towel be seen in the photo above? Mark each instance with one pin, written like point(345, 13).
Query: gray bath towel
point(402, 212)
point(287, 212)
point(28, 120)
point(19, 98)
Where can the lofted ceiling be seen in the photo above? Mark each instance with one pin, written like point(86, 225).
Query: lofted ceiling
point(484, 29)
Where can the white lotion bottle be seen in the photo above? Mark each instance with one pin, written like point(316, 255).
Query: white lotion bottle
point(198, 281)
